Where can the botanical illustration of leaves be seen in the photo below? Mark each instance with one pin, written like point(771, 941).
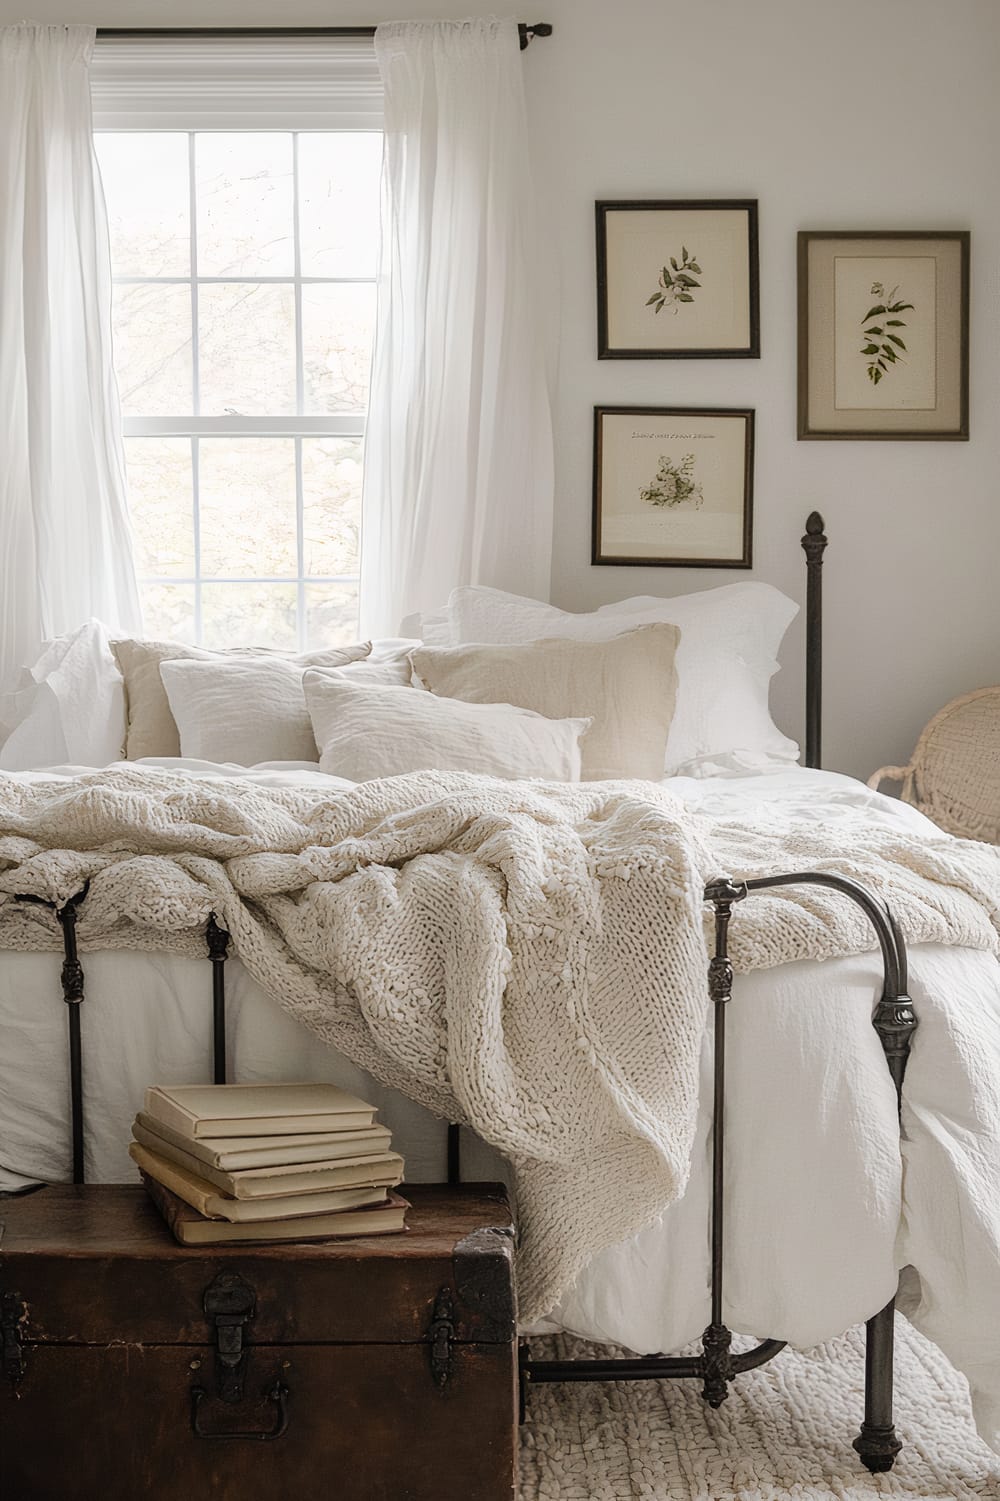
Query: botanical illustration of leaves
point(896, 340)
point(873, 312)
point(897, 307)
point(870, 349)
point(677, 285)
point(895, 323)
point(873, 331)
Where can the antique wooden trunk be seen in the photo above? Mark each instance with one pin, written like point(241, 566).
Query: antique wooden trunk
point(363, 1369)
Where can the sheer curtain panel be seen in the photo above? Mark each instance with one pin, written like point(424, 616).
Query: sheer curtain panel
point(458, 452)
point(65, 544)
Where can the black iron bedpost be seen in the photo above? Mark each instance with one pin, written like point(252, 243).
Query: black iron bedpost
point(895, 1021)
point(814, 544)
point(72, 988)
point(218, 947)
point(716, 1342)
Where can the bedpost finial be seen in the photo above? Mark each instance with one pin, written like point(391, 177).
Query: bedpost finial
point(815, 539)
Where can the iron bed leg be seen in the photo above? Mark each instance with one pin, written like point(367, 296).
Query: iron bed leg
point(218, 947)
point(71, 978)
point(877, 1443)
point(895, 1022)
point(716, 1342)
point(454, 1153)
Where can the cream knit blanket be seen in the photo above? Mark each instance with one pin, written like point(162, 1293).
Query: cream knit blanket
point(527, 958)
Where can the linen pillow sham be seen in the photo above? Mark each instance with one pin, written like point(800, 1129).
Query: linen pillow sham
point(151, 728)
point(626, 686)
point(236, 711)
point(726, 658)
point(367, 731)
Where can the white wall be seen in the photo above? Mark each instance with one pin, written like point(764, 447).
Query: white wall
point(840, 114)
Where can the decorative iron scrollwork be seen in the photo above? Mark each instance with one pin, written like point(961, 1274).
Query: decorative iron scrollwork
point(716, 1364)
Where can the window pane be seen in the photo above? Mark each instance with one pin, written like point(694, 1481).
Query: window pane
point(339, 203)
point(168, 612)
point(250, 615)
point(331, 505)
point(338, 325)
point(331, 615)
point(161, 505)
point(243, 188)
point(145, 179)
point(246, 490)
point(246, 348)
point(152, 344)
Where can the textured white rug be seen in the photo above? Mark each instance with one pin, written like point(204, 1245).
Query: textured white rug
point(783, 1435)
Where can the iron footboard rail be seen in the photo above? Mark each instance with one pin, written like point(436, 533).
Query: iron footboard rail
point(895, 1021)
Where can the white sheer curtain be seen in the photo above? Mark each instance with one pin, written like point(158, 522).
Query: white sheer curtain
point(458, 452)
point(65, 544)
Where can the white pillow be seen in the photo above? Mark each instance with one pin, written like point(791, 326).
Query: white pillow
point(625, 685)
point(240, 711)
point(727, 655)
point(387, 665)
point(368, 731)
point(151, 728)
point(69, 708)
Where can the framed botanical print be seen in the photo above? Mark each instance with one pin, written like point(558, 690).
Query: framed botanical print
point(677, 279)
point(883, 334)
point(673, 487)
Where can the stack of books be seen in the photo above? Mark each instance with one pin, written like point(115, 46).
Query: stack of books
point(227, 1163)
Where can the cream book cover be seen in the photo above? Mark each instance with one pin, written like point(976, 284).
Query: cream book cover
point(191, 1229)
point(381, 1170)
point(235, 1153)
point(256, 1109)
point(204, 1197)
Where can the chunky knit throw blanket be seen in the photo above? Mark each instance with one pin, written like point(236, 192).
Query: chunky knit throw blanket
point(527, 958)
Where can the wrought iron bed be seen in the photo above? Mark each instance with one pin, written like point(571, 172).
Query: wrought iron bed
point(894, 1019)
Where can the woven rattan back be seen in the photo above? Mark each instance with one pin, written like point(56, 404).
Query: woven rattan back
point(954, 772)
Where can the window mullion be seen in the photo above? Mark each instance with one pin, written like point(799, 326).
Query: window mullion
point(300, 385)
point(196, 386)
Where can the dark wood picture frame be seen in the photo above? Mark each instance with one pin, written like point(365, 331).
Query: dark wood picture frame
point(608, 271)
point(700, 417)
point(941, 366)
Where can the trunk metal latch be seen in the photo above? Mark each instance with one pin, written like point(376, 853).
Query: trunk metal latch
point(230, 1304)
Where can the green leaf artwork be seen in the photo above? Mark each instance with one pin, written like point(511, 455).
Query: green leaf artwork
point(674, 484)
point(675, 286)
point(879, 346)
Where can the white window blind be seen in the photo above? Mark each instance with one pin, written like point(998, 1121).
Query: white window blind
point(242, 83)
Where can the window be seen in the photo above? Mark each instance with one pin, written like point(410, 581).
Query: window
point(244, 266)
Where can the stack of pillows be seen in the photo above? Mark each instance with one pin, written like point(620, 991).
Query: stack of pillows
point(499, 685)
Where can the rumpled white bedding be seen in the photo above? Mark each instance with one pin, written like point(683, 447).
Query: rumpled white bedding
point(824, 1206)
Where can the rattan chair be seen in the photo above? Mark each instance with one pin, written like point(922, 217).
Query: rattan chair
point(954, 772)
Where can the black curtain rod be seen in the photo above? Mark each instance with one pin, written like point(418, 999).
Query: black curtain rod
point(526, 31)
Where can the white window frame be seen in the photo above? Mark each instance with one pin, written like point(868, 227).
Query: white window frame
point(190, 85)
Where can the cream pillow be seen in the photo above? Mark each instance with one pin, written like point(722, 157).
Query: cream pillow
point(725, 661)
point(626, 686)
point(151, 729)
point(367, 731)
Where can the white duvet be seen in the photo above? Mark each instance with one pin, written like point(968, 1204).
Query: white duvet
point(824, 1204)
